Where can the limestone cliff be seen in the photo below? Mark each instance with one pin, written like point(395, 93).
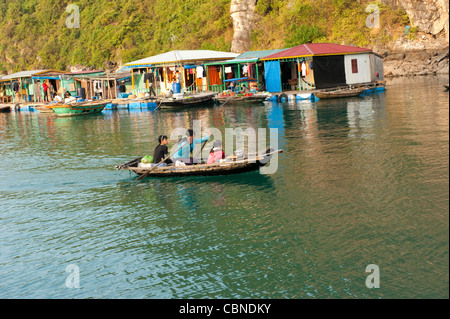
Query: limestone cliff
point(243, 16)
point(428, 52)
point(429, 16)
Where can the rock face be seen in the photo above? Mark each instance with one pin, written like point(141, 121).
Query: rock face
point(243, 16)
point(429, 53)
point(429, 16)
point(413, 63)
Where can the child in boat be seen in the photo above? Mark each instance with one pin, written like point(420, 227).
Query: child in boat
point(161, 151)
point(216, 153)
point(186, 147)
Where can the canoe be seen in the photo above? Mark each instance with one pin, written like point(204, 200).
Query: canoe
point(341, 93)
point(5, 109)
point(249, 98)
point(231, 166)
point(78, 108)
point(185, 100)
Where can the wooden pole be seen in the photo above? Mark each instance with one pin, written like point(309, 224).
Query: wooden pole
point(207, 79)
point(20, 90)
point(257, 75)
point(34, 88)
point(132, 79)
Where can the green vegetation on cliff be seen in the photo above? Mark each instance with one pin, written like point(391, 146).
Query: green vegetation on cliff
point(33, 33)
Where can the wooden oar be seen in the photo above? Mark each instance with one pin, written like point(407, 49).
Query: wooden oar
point(162, 161)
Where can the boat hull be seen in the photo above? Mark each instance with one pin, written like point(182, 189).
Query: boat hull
point(77, 110)
point(255, 99)
point(5, 109)
point(338, 94)
point(185, 101)
point(227, 168)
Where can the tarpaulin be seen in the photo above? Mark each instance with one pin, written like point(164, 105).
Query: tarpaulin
point(329, 71)
point(272, 71)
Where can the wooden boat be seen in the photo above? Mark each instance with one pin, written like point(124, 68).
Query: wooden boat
point(76, 109)
point(186, 100)
point(43, 109)
point(243, 98)
point(5, 109)
point(339, 93)
point(231, 166)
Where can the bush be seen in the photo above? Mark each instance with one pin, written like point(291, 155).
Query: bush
point(298, 35)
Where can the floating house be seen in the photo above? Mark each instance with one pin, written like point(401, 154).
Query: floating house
point(106, 86)
point(75, 81)
point(320, 66)
point(26, 86)
point(177, 71)
point(245, 66)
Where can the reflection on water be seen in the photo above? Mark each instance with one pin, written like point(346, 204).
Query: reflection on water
point(362, 181)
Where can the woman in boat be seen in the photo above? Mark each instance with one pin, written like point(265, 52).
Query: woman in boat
point(161, 151)
point(216, 153)
point(186, 147)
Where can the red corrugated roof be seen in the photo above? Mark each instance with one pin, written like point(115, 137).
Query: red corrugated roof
point(311, 49)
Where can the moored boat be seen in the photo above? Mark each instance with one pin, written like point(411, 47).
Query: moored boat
point(339, 93)
point(182, 100)
point(78, 108)
point(242, 98)
point(231, 166)
point(43, 109)
point(5, 109)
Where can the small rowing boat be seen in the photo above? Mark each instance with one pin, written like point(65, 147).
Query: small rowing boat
point(78, 108)
point(43, 109)
point(231, 166)
point(338, 93)
point(242, 98)
point(181, 100)
point(5, 109)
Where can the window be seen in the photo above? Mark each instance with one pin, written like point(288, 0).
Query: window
point(354, 66)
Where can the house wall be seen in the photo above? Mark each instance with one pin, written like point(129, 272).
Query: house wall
point(364, 68)
point(376, 63)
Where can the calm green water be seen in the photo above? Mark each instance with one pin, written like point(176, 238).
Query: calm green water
point(363, 181)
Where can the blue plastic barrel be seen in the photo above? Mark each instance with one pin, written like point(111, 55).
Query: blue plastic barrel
point(176, 88)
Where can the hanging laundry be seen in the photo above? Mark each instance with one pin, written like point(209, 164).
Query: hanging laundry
point(303, 69)
point(228, 69)
point(199, 72)
point(245, 69)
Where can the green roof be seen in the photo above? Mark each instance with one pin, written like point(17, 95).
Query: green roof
point(257, 54)
point(247, 57)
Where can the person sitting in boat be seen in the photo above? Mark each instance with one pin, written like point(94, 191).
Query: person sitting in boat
point(58, 99)
point(216, 153)
point(186, 147)
point(244, 88)
point(68, 98)
point(161, 151)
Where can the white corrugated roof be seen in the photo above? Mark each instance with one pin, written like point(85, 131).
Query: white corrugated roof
point(22, 74)
point(184, 56)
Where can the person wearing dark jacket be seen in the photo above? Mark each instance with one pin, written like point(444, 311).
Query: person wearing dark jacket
point(161, 151)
